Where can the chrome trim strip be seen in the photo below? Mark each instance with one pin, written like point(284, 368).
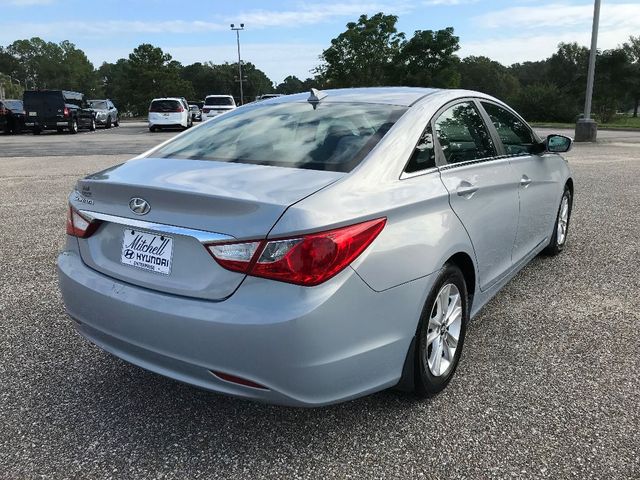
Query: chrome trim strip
point(202, 236)
point(418, 173)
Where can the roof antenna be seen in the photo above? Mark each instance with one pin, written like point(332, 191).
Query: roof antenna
point(315, 97)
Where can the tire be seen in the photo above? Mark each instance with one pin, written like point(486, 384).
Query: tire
point(108, 124)
point(436, 357)
point(60, 129)
point(152, 129)
point(117, 122)
point(561, 228)
point(37, 131)
point(73, 126)
point(92, 126)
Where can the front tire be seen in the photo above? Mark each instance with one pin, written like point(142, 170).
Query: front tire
point(441, 332)
point(92, 127)
point(561, 229)
point(108, 124)
point(117, 122)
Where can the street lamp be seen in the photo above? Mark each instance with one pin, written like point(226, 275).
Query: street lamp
point(586, 127)
point(240, 78)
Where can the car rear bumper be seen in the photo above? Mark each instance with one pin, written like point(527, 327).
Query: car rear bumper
point(307, 346)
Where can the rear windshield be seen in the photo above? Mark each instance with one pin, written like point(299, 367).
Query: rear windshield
point(226, 101)
point(164, 105)
point(100, 104)
point(334, 137)
point(43, 97)
point(13, 105)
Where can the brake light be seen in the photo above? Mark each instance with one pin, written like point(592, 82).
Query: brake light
point(3, 111)
point(78, 225)
point(65, 112)
point(307, 260)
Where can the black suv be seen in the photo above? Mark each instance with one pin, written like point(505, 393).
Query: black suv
point(57, 110)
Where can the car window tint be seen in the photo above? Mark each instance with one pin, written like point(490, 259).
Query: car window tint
point(462, 134)
point(222, 101)
point(334, 137)
point(424, 154)
point(515, 135)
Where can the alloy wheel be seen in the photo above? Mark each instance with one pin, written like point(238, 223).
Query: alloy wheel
point(563, 220)
point(443, 332)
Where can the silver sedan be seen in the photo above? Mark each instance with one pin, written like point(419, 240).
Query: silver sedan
point(314, 248)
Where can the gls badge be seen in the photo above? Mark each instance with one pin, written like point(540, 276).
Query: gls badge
point(139, 206)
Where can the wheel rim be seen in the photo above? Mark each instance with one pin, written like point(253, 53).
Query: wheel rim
point(443, 331)
point(563, 220)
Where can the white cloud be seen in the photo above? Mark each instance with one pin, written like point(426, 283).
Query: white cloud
point(534, 32)
point(561, 15)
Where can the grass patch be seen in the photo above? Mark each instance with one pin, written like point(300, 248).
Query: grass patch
point(620, 121)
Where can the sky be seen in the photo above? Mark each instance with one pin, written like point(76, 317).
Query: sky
point(286, 37)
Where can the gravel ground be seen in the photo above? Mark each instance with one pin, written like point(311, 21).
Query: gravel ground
point(548, 385)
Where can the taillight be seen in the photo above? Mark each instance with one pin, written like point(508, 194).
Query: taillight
point(305, 260)
point(65, 112)
point(78, 225)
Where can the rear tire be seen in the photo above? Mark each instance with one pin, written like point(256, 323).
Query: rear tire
point(73, 126)
point(561, 228)
point(441, 332)
point(152, 129)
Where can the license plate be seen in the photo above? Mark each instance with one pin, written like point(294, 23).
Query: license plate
point(165, 114)
point(148, 251)
point(33, 114)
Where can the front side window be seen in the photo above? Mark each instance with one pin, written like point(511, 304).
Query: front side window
point(515, 135)
point(328, 136)
point(462, 134)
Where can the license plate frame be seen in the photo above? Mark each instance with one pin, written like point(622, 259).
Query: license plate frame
point(148, 251)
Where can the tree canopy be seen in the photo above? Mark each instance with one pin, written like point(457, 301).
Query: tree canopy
point(369, 52)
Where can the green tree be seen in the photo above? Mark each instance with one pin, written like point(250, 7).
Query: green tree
point(544, 102)
point(291, 84)
point(363, 54)
point(488, 76)
point(632, 50)
point(428, 60)
point(151, 73)
point(613, 71)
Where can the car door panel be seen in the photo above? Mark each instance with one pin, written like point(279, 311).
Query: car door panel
point(482, 187)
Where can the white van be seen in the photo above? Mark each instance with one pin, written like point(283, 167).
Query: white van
point(214, 105)
point(169, 112)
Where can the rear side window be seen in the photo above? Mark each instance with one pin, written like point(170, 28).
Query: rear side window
point(219, 101)
point(462, 134)
point(13, 105)
point(165, 106)
point(333, 137)
point(515, 135)
point(40, 98)
point(100, 104)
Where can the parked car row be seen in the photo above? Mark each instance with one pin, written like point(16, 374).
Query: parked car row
point(176, 112)
point(60, 110)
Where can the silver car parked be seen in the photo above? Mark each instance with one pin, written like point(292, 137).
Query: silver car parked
point(106, 113)
point(314, 248)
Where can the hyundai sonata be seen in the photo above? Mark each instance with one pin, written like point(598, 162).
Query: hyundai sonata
point(314, 248)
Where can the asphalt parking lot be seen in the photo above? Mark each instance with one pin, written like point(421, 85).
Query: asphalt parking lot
point(548, 385)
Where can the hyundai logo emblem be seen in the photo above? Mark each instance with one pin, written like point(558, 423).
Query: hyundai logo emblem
point(139, 206)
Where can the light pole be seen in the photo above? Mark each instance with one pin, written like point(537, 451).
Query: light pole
point(240, 79)
point(586, 127)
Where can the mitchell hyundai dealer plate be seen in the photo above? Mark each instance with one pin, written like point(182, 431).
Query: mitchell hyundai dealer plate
point(148, 251)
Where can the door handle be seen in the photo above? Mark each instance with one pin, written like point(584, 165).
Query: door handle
point(466, 189)
point(525, 181)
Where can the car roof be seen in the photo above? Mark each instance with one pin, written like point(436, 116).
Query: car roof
point(222, 96)
point(177, 99)
point(402, 96)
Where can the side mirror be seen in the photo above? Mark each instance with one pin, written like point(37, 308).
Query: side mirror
point(558, 143)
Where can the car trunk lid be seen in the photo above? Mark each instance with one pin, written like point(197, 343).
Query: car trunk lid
point(191, 201)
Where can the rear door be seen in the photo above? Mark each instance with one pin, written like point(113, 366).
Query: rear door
point(482, 186)
point(538, 188)
point(45, 107)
